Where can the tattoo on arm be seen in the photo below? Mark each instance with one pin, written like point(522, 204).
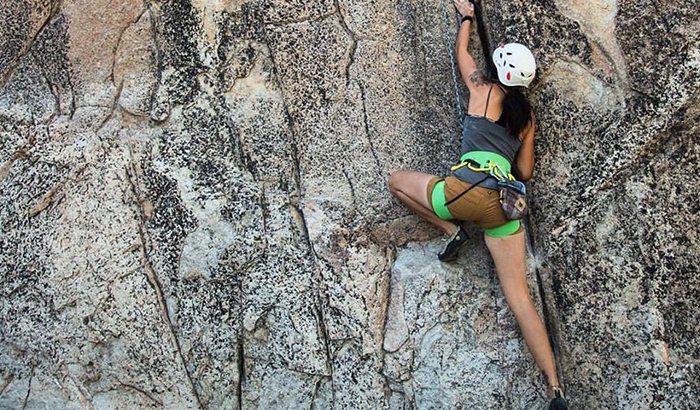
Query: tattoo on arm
point(477, 78)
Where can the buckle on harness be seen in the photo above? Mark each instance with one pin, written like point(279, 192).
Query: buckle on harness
point(497, 172)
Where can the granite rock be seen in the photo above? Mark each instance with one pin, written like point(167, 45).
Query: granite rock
point(194, 210)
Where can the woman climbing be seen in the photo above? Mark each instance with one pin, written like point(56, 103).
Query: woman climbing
point(498, 130)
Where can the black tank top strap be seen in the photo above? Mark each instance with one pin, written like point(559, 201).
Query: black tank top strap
point(488, 97)
point(501, 119)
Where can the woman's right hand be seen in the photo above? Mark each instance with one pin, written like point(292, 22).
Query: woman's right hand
point(465, 7)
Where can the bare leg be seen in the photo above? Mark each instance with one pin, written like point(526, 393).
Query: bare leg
point(411, 188)
point(508, 254)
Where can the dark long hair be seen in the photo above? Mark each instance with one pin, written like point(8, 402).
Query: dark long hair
point(516, 108)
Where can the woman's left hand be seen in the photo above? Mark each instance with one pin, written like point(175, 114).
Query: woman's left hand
point(465, 7)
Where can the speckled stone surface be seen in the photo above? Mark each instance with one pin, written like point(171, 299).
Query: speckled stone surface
point(194, 210)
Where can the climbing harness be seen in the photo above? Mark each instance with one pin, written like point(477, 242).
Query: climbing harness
point(491, 168)
point(513, 194)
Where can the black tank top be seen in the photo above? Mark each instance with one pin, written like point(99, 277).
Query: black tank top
point(483, 134)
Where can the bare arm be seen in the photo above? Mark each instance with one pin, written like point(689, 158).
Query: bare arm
point(467, 67)
point(525, 160)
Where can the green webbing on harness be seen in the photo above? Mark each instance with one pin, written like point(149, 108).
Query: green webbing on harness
point(483, 157)
point(506, 229)
point(438, 201)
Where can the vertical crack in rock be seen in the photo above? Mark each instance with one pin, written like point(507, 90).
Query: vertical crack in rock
point(158, 62)
point(353, 45)
point(495, 287)
point(73, 103)
point(113, 108)
point(297, 212)
point(241, 371)
point(158, 67)
point(119, 87)
point(367, 131)
point(391, 256)
point(314, 393)
point(29, 389)
point(263, 209)
point(548, 313)
point(294, 206)
point(239, 151)
point(52, 89)
point(290, 123)
point(55, 8)
point(115, 50)
point(352, 188)
point(320, 317)
point(151, 275)
point(422, 50)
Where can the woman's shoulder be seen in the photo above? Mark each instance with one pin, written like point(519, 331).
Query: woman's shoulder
point(482, 82)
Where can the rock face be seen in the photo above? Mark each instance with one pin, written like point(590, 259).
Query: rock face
point(194, 211)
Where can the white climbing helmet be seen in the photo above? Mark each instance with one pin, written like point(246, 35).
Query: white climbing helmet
point(515, 64)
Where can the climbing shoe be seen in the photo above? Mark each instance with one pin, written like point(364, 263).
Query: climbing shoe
point(449, 252)
point(558, 402)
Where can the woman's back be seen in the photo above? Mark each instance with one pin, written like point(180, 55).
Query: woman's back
point(481, 134)
point(486, 100)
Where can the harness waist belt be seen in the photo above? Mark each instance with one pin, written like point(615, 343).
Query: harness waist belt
point(483, 158)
